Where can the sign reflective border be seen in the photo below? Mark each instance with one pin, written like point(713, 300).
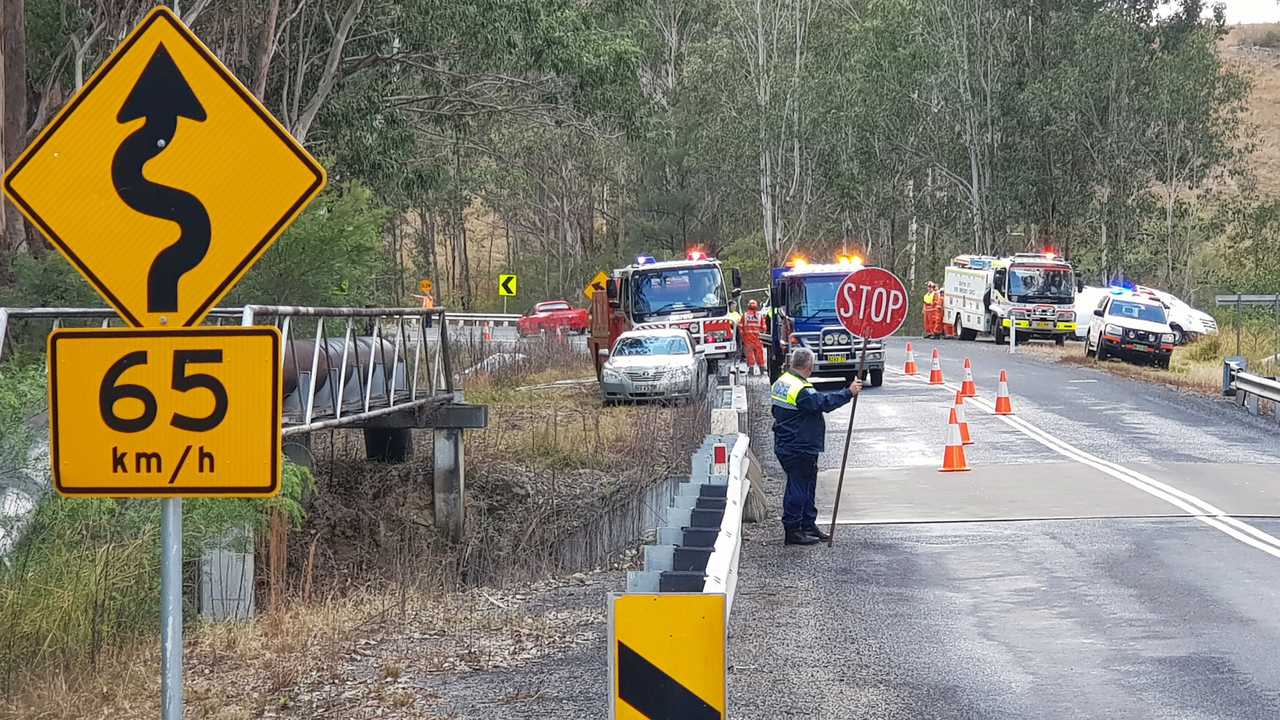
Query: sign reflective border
point(188, 412)
point(667, 656)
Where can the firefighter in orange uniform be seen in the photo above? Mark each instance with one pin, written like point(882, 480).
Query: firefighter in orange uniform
point(753, 326)
point(932, 311)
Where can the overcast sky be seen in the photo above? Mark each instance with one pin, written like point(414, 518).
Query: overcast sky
point(1252, 11)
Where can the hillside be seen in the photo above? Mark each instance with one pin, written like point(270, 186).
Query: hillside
point(1256, 48)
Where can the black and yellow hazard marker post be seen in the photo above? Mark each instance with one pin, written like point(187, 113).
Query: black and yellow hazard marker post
point(667, 657)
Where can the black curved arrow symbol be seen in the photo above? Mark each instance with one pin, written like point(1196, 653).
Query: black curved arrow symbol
point(161, 96)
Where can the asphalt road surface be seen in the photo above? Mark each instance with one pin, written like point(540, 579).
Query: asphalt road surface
point(1114, 553)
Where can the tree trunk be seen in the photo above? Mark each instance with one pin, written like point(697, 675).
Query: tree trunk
point(266, 49)
point(13, 40)
point(911, 236)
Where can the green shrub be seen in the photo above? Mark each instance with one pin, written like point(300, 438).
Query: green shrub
point(86, 573)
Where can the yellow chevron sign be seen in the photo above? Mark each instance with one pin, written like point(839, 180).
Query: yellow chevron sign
point(667, 656)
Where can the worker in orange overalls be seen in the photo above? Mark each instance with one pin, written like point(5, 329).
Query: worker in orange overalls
point(753, 326)
point(932, 311)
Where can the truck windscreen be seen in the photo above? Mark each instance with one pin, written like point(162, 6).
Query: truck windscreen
point(808, 296)
point(1041, 284)
point(679, 290)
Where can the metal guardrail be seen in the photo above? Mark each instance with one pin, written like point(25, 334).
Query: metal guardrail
point(698, 548)
point(1247, 388)
point(387, 360)
point(498, 319)
point(1239, 300)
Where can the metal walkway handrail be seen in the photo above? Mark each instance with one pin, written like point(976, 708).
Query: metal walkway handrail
point(389, 360)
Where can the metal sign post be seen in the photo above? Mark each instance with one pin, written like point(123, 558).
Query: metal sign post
point(848, 438)
point(1013, 334)
point(171, 608)
point(872, 304)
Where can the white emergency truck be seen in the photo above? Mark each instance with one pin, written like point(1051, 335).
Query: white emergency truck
point(1032, 292)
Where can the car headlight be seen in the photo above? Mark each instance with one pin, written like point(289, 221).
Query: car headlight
point(829, 340)
point(1113, 329)
point(611, 375)
point(845, 339)
point(1168, 337)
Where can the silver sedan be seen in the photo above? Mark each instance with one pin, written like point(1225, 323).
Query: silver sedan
point(658, 364)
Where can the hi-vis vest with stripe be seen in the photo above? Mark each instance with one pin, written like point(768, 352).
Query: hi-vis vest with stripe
point(786, 390)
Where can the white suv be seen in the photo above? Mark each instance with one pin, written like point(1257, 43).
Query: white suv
point(1132, 327)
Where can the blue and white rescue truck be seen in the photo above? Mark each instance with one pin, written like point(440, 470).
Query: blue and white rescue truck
point(802, 301)
point(1033, 293)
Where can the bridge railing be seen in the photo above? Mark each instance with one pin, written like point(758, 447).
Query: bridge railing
point(341, 366)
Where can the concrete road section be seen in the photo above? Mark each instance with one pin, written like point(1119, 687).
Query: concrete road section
point(1113, 553)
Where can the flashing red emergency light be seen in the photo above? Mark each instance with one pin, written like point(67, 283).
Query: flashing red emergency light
point(696, 254)
point(798, 262)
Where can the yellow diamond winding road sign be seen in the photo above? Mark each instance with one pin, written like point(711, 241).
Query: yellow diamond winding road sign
point(163, 180)
point(597, 284)
point(165, 413)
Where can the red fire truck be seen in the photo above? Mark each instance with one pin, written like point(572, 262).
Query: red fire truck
point(689, 294)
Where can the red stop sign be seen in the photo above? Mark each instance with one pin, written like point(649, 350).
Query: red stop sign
point(872, 303)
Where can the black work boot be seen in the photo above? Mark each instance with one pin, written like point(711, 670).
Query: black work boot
point(800, 536)
point(813, 530)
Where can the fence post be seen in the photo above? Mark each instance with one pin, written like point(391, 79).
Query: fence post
point(1239, 310)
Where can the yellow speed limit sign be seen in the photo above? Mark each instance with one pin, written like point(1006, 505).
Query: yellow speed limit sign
point(165, 413)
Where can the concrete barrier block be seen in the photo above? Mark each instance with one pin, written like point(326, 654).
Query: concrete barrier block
point(659, 557)
point(642, 581)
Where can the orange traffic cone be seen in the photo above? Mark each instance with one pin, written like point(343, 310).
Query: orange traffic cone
point(953, 458)
point(935, 373)
point(965, 438)
point(910, 369)
point(1004, 406)
point(967, 388)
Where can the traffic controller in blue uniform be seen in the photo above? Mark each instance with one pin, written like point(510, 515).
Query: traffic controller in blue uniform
point(799, 437)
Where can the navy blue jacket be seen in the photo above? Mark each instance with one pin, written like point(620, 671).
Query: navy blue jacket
point(798, 427)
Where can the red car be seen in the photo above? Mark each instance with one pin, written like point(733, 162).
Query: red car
point(552, 316)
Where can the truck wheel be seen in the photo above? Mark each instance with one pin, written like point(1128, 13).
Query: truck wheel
point(876, 377)
point(1060, 340)
point(1101, 352)
point(775, 368)
point(1088, 351)
point(997, 330)
point(963, 332)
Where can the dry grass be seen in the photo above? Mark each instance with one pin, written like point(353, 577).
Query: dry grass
point(1240, 48)
point(333, 659)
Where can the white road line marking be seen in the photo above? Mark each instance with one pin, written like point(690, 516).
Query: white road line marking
point(1195, 507)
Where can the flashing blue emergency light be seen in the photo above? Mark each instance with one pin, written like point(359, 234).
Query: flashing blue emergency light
point(1120, 287)
point(977, 264)
point(645, 259)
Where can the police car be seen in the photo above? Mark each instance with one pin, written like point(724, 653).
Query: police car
point(1131, 327)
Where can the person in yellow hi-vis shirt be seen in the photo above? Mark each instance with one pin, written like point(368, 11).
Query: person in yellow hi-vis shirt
point(932, 311)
